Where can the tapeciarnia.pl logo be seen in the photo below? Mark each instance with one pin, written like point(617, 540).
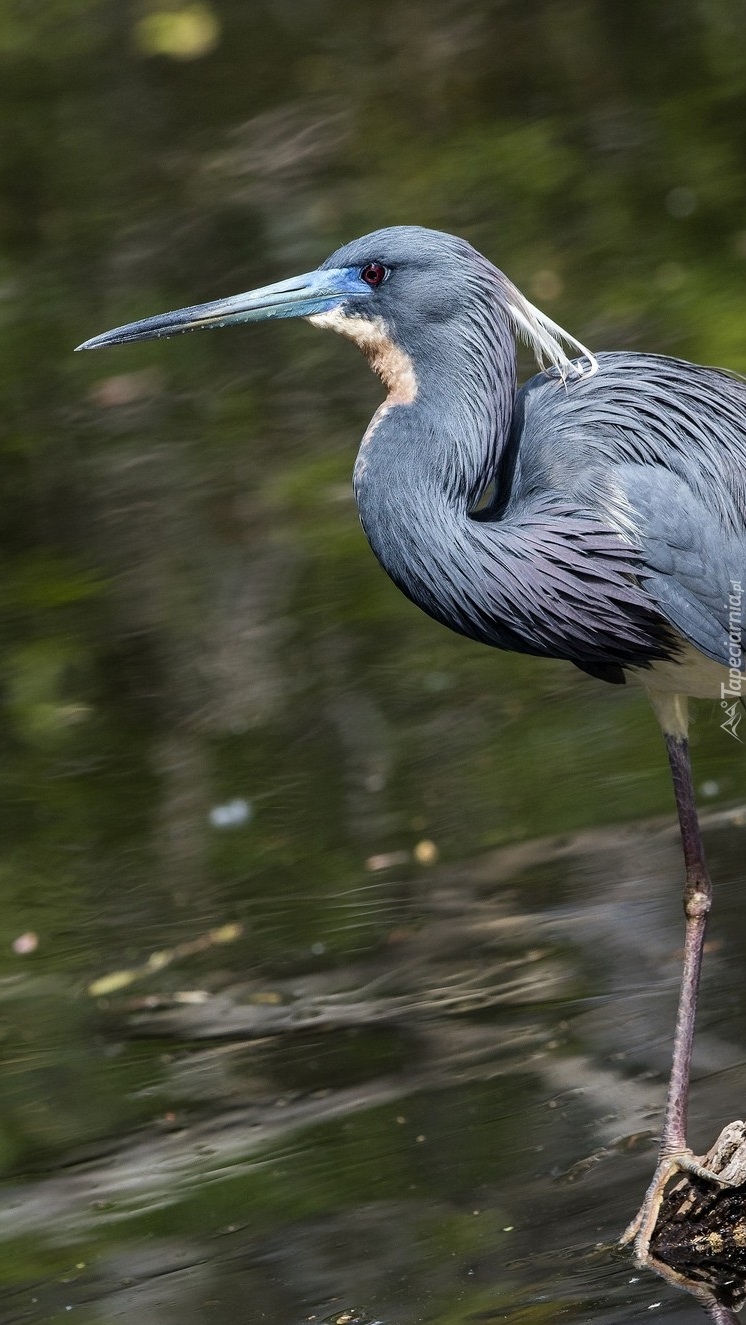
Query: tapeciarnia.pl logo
point(730, 693)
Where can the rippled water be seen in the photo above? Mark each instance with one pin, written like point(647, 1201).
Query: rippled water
point(338, 956)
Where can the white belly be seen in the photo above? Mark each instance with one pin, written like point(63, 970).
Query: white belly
point(693, 675)
point(670, 684)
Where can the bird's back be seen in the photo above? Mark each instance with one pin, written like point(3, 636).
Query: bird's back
point(655, 448)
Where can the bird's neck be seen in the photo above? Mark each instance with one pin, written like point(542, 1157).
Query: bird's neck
point(447, 414)
point(430, 454)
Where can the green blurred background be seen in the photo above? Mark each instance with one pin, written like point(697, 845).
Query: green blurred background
point(216, 711)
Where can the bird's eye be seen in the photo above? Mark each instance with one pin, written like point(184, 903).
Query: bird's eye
point(373, 274)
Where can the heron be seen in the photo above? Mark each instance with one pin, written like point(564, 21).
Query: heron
point(597, 514)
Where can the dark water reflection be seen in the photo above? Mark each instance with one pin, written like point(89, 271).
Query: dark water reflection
point(416, 1071)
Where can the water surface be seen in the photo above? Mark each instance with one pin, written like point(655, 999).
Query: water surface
point(338, 955)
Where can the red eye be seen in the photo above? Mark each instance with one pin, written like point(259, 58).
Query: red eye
point(373, 274)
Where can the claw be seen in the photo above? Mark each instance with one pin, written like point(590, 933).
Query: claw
point(641, 1229)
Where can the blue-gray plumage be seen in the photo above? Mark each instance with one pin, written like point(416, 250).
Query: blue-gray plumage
point(654, 449)
point(597, 515)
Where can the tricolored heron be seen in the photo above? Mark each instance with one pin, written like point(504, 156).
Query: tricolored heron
point(596, 515)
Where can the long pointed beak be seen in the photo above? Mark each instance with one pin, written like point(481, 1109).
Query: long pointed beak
point(301, 296)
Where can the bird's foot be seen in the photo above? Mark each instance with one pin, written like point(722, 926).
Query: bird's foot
point(641, 1229)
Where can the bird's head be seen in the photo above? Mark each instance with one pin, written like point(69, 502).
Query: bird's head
point(399, 293)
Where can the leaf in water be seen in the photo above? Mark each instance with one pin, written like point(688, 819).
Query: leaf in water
point(112, 983)
point(226, 933)
point(158, 961)
point(426, 853)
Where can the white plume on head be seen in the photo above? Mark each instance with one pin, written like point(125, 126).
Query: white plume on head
point(545, 338)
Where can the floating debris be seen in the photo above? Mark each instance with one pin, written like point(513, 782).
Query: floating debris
point(231, 815)
point(157, 961)
point(25, 943)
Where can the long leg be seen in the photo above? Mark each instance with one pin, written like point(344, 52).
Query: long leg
point(697, 903)
point(674, 1154)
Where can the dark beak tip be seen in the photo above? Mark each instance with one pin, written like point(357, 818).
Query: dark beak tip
point(92, 344)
